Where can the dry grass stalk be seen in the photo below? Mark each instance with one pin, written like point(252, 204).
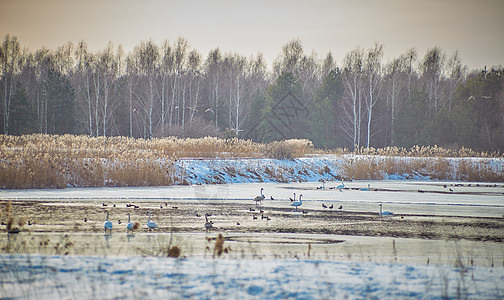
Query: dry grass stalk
point(10, 222)
point(8, 207)
point(219, 246)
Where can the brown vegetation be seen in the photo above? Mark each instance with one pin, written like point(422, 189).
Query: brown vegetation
point(58, 161)
point(377, 167)
point(425, 151)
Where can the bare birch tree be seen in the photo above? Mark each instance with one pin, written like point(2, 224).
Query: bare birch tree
point(180, 50)
point(213, 71)
point(165, 71)
point(132, 72)
point(11, 60)
point(148, 56)
point(373, 73)
point(456, 76)
point(432, 68)
point(236, 82)
point(290, 59)
point(108, 66)
point(43, 60)
point(83, 75)
point(353, 65)
point(194, 77)
point(396, 79)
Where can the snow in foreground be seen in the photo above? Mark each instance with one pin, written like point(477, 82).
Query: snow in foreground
point(79, 277)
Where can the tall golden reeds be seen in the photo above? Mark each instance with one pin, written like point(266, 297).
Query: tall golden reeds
point(58, 161)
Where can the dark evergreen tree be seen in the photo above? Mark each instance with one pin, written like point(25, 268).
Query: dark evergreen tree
point(478, 114)
point(61, 97)
point(23, 118)
point(325, 131)
point(284, 115)
point(412, 119)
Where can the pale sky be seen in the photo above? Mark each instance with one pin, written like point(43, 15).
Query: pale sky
point(473, 27)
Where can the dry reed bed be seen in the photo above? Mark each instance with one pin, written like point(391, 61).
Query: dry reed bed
point(426, 151)
point(461, 168)
point(58, 161)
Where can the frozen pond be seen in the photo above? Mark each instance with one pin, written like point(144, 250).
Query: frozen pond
point(298, 255)
point(401, 197)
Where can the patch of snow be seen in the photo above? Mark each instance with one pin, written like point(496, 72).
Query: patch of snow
point(308, 169)
point(44, 277)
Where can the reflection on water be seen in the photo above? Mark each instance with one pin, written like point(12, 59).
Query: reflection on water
point(130, 237)
point(266, 246)
point(107, 237)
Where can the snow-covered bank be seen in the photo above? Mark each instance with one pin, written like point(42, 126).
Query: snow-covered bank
point(80, 277)
point(306, 169)
point(336, 167)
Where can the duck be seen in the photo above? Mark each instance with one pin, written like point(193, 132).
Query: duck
point(208, 224)
point(366, 189)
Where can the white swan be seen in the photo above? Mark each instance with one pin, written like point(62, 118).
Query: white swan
point(129, 226)
point(366, 189)
point(107, 224)
point(260, 197)
point(341, 186)
point(151, 224)
point(297, 203)
point(385, 213)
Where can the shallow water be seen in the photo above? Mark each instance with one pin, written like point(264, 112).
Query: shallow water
point(248, 239)
point(400, 197)
point(264, 256)
point(343, 248)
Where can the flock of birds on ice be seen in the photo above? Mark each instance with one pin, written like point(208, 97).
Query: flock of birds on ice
point(151, 225)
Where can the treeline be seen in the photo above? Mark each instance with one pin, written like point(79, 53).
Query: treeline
point(173, 90)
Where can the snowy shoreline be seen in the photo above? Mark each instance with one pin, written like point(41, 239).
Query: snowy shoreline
point(321, 168)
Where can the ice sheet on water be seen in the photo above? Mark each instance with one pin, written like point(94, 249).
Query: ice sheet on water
point(139, 277)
